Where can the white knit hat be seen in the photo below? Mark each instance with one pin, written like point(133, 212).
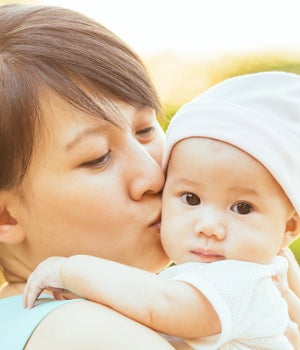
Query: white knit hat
point(258, 113)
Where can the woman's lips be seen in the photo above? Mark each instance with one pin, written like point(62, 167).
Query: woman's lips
point(207, 255)
point(156, 223)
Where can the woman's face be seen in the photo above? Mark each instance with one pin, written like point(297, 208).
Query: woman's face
point(94, 189)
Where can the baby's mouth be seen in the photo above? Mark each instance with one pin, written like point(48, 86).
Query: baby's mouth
point(207, 255)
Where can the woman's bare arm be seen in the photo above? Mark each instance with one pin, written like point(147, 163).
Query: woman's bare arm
point(171, 307)
point(90, 326)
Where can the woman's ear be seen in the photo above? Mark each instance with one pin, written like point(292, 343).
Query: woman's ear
point(292, 230)
point(10, 230)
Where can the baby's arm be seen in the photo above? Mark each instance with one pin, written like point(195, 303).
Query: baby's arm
point(171, 307)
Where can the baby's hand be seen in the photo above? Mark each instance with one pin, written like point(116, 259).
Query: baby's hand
point(291, 298)
point(293, 335)
point(47, 275)
point(293, 271)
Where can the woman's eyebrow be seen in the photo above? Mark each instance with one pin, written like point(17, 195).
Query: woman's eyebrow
point(81, 134)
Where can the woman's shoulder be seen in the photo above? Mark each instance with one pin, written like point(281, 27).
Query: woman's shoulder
point(71, 325)
point(50, 324)
point(91, 326)
point(17, 324)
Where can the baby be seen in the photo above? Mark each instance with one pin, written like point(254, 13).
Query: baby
point(231, 202)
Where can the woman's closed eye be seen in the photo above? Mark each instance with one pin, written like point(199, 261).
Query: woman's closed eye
point(190, 198)
point(98, 162)
point(146, 134)
point(242, 208)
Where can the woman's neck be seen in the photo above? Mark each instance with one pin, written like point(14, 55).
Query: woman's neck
point(11, 289)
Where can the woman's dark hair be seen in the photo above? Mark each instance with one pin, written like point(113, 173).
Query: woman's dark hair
point(70, 54)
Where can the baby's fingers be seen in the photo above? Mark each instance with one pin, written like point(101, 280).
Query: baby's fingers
point(46, 275)
point(32, 291)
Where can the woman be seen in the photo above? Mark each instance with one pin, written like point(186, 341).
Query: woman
point(80, 149)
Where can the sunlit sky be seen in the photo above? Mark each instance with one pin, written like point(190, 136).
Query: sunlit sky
point(197, 27)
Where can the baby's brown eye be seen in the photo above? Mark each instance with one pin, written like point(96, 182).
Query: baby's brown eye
point(242, 208)
point(190, 199)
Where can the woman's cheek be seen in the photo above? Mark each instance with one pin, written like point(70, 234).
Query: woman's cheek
point(156, 149)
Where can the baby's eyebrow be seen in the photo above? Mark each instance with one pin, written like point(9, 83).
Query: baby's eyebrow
point(244, 190)
point(187, 181)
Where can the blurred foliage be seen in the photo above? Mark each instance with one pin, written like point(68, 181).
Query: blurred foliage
point(295, 248)
point(179, 79)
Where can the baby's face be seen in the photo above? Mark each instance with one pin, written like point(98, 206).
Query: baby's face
point(221, 203)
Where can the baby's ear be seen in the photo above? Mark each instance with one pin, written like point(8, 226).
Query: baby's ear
point(10, 230)
point(292, 230)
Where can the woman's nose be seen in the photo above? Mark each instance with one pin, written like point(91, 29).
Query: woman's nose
point(210, 226)
point(146, 176)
